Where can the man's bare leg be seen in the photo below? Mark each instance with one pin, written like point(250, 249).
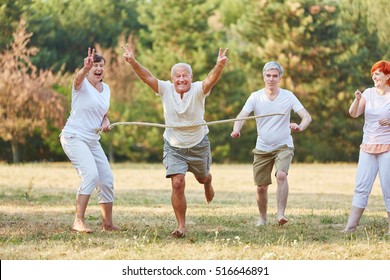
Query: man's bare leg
point(179, 204)
point(262, 204)
point(208, 188)
point(281, 196)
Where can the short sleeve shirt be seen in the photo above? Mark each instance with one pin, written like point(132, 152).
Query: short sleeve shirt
point(274, 131)
point(180, 112)
point(377, 108)
point(88, 108)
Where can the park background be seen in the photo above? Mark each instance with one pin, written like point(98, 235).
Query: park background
point(326, 47)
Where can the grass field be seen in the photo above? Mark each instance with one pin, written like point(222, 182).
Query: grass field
point(37, 209)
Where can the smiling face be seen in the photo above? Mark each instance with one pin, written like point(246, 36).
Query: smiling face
point(380, 79)
point(96, 73)
point(181, 78)
point(380, 74)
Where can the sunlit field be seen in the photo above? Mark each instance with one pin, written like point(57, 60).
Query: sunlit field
point(37, 209)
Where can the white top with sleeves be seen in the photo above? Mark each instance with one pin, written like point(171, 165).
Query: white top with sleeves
point(187, 111)
point(273, 132)
point(377, 107)
point(87, 110)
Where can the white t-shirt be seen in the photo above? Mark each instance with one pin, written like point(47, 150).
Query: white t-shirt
point(87, 110)
point(187, 111)
point(273, 131)
point(377, 108)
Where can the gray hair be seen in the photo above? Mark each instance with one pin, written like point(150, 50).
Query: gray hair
point(273, 65)
point(181, 64)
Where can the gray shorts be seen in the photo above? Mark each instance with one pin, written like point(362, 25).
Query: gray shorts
point(196, 159)
point(264, 161)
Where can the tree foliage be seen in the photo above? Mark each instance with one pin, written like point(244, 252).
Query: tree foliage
point(67, 27)
point(377, 15)
point(11, 12)
point(327, 48)
point(28, 101)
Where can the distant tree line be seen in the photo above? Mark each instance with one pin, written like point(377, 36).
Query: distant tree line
point(326, 47)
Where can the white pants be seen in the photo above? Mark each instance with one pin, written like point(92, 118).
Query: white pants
point(92, 165)
point(368, 167)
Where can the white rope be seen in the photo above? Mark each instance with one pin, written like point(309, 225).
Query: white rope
point(188, 126)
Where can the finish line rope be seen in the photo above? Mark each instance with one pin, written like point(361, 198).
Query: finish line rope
point(188, 126)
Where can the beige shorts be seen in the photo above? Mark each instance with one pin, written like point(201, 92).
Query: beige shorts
point(263, 163)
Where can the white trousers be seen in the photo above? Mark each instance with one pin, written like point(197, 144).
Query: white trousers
point(91, 164)
point(368, 167)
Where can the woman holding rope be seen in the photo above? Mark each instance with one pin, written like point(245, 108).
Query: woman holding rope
point(184, 149)
point(90, 103)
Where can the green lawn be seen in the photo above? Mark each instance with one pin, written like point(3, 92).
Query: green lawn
point(37, 209)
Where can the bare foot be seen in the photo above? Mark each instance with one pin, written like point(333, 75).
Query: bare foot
point(349, 230)
point(209, 193)
point(282, 221)
point(81, 227)
point(110, 228)
point(179, 233)
point(261, 223)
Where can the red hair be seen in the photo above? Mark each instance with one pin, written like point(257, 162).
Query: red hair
point(382, 66)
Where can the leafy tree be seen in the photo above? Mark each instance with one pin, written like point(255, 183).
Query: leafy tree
point(363, 48)
point(306, 38)
point(326, 48)
point(377, 16)
point(191, 33)
point(10, 13)
point(127, 142)
point(28, 101)
point(67, 28)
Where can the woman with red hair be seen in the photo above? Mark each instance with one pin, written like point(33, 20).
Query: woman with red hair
point(374, 156)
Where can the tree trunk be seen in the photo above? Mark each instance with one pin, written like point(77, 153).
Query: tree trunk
point(15, 150)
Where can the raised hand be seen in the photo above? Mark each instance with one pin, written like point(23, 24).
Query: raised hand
point(88, 61)
point(222, 56)
point(358, 94)
point(128, 53)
